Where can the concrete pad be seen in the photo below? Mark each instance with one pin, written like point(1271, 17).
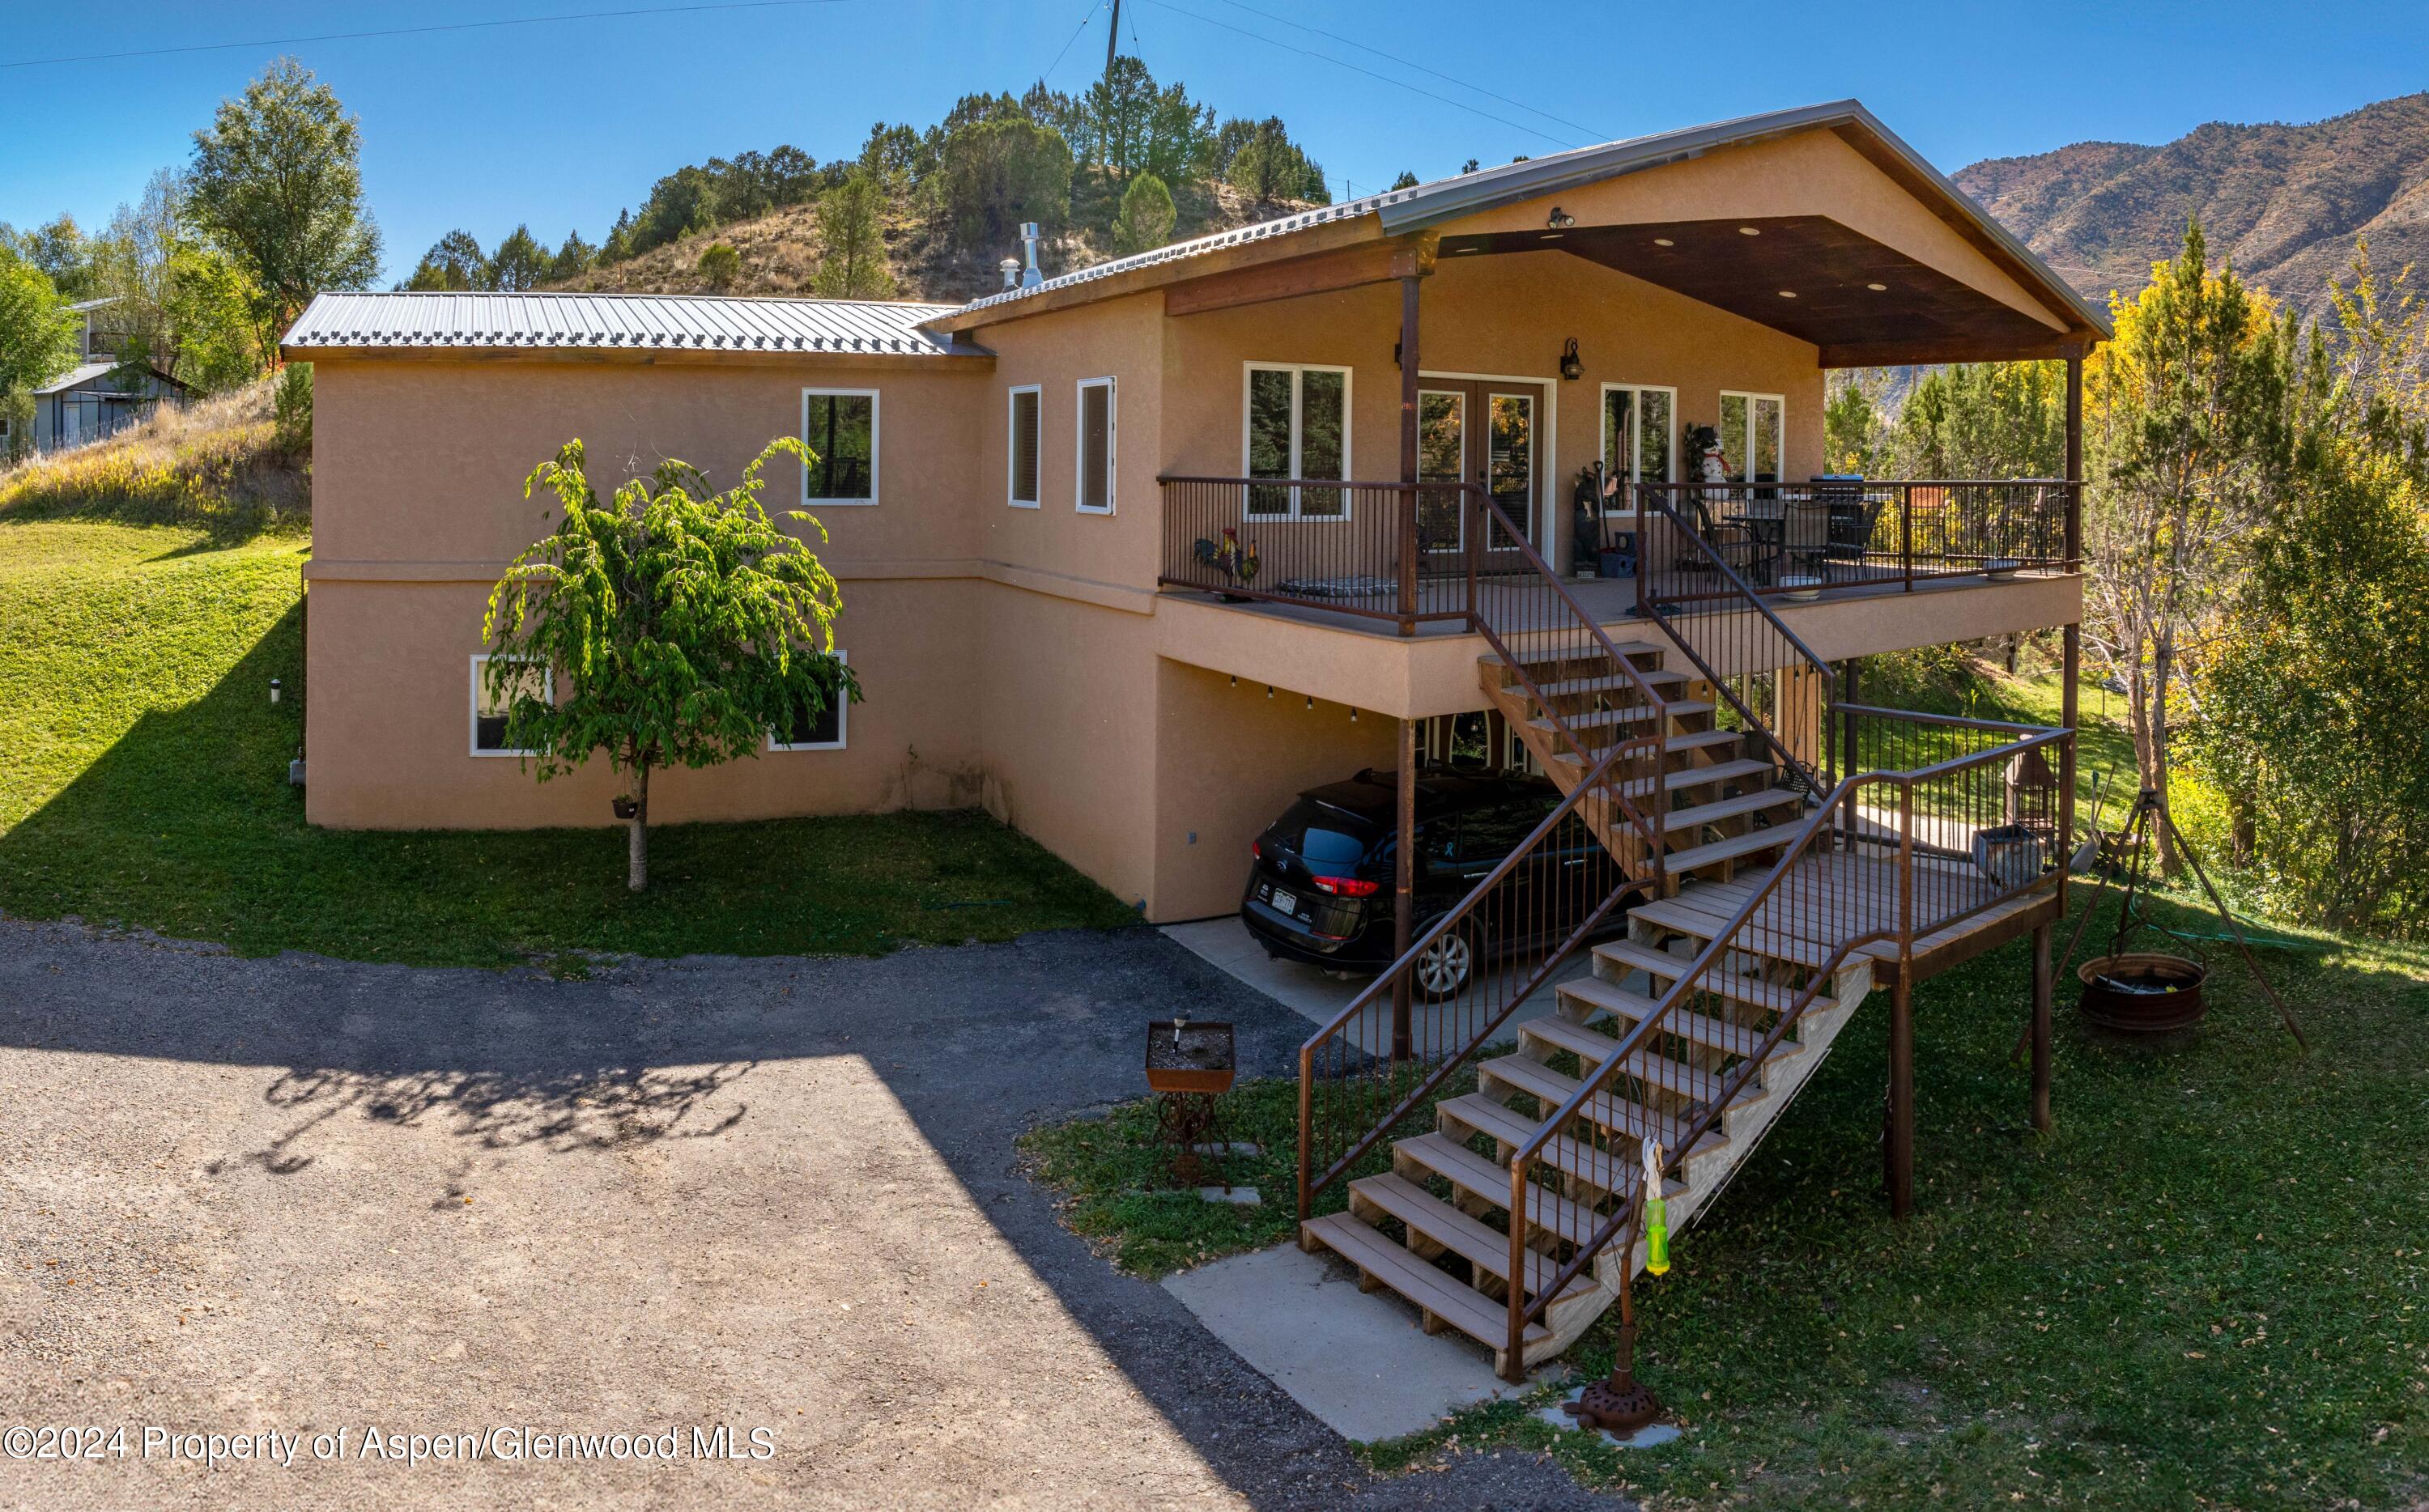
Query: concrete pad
point(1237, 1197)
point(1645, 1438)
point(1357, 1360)
point(1319, 997)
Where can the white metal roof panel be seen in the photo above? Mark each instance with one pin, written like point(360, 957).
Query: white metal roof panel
point(692, 323)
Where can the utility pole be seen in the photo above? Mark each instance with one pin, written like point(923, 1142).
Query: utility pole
point(1112, 39)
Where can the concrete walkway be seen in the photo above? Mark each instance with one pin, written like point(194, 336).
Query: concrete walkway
point(776, 1194)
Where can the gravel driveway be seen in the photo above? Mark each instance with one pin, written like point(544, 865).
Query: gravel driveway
point(776, 1194)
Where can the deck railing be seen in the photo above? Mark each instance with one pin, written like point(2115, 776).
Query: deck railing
point(1377, 551)
point(1803, 538)
point(1890, 857)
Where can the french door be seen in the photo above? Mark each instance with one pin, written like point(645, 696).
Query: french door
point(1480, 431)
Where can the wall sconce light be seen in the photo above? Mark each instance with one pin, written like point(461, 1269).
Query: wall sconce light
point(1571, 368)
point(1353, 715)
point(1561, 220)
point(273, 690)
point(1235, 680)
point(1311, 703)
point(1269, 690)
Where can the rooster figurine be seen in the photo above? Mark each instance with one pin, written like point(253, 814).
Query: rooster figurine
point(1246, 566)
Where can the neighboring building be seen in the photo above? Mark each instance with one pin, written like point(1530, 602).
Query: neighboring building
point(94, 398)
point(990, 478)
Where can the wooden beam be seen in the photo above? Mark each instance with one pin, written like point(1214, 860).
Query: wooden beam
point(1374, 262)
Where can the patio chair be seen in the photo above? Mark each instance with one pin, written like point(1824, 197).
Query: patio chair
point(1732, 541)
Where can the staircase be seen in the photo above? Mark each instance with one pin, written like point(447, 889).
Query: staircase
point(1434, 1228)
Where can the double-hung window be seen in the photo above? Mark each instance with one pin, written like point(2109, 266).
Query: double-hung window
point(492, 705)
point(1754, 431)
point(823, 732)
point(1639, 438)
point(1094, 475)
point(840, 426)
point(1296, 427)
point(1024, 445)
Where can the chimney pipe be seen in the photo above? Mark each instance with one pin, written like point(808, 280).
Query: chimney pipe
point(1011, 267)
point(1030, 276)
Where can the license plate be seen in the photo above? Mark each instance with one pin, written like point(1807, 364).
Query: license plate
point(1286, 902)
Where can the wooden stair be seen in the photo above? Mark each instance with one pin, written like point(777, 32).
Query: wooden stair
point(1434, 1230)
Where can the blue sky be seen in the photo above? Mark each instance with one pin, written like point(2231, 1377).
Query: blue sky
point(562, 125)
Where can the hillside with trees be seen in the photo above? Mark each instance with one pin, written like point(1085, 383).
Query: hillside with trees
point(927, 212)
point(2283, 202)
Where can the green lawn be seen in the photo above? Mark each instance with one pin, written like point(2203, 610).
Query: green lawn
point(2207, 1287)
point(144, 783)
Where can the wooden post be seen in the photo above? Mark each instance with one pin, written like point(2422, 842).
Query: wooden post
point(2043, 983)
point(1898, 1151)
point(1409, 283)
point(1404, 872)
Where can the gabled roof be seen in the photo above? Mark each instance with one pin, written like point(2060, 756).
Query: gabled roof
point(86, 374)
point(1401, 211)
point(639, 322)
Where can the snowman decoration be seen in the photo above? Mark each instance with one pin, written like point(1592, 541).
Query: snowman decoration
point(1716, 464)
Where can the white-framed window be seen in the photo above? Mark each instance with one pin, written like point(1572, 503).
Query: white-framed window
point(1024, 446)
point(1754, 435)
point(1096, 426)
point(488, 734)
point(1639, 439)
point(840, 426)
point(1295, 423)
point(825, 732)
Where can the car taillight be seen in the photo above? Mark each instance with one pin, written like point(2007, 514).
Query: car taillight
point(1348, 886)
point(1256, 850)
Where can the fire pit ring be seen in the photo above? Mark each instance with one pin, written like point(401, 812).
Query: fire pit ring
point(2142, 993)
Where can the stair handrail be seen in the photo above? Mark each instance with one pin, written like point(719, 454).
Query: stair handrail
point(1651, 501)
point(1651, 829)
point(1627, 1047)
point(1312, 1181)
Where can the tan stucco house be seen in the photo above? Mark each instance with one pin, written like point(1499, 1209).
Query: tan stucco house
point(1026, 576)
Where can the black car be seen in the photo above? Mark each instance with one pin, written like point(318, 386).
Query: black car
point(1321, 883)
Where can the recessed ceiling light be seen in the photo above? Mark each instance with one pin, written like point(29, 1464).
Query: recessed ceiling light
point(1664, 242)
point(1788, 293)
point(1877, 288)
point(1553, 235)
point(1749, 231)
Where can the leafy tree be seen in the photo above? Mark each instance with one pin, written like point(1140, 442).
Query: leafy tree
point(59, 250)
point(1136, 125)
point(574, 258)
point(1146, 220)
point(1984, 420)
point(898, 157)
point(453, 264)
point(1854, 434)
point(38, 333)
point(519, 263)
point(719, 265)
point(209, 313)
point(1269, 166)
point(618, 244)
point(292, 409)
point(682, 625)
point(854, 263)
point(1406, 181)
point(2187, 444)
point(276, 182)
point(996, 171)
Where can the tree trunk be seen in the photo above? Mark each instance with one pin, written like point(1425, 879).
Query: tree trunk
point(2163, 671)
point(637, 830)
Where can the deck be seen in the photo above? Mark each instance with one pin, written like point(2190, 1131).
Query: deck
point(1830, 899)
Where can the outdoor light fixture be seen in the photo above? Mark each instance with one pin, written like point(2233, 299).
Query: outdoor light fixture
point(1269, 690)
point(1571, 368)
point(273, 690)
point(1561, 220)
point(1749, 231)
point(1235, 680)
point(1664, 242)
point(1879, 288)
point(1788, 293)
point(1311, 703)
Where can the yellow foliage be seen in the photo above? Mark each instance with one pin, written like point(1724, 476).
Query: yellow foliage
point(215, 462)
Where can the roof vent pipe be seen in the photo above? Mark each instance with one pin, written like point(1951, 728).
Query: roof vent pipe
point(1030, 276)
point(1011, 267)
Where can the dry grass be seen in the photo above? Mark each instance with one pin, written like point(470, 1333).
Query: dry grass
point(215, 463)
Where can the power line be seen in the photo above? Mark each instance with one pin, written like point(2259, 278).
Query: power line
point(417, 31)
point(1447, 78)
point(1094, 7)
point(1339, 62)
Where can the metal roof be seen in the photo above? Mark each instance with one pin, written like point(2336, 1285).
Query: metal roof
point(690, 323)
point(1427, 205)
point(77, 377)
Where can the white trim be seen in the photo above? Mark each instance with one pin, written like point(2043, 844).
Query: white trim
point(843, 723)
point(1012, 445)
point(1745, 463)
point(870, 394)
point(1298, 371)
point(472, 714)
point(1080, 444)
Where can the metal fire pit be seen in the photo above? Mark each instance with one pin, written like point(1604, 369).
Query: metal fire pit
point(1189, 1066)
point(2142, 993)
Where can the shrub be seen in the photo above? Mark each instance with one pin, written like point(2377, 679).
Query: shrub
point(719, 265)
point(292, 409)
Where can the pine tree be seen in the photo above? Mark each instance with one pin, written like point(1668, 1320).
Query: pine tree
point(853, 266)
point(1146, 220)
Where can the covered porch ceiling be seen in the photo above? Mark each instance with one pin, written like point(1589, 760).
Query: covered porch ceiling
point(1862, 302)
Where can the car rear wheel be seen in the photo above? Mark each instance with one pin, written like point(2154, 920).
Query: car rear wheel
point(1446, 965)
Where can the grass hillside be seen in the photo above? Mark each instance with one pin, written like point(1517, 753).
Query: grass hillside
point(216, 464)
point(781, 250)
point(144, 783)
point(2284, 201)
